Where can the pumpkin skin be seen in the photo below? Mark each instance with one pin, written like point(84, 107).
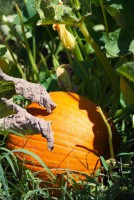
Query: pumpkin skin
point(79, 132)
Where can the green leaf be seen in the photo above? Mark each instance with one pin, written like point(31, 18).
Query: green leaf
point(5, 111)
point(4, 182)
point(9, 160)
point(120, 43)
point(95, 2)
point(51, 12)
point(123, 12)
point(126, 154)
point(104, 163)
point(85, 6)
point(127, 70)
point(127, 89)
point(4, 65)
point(28, 12)
point(51, 83)
point(47, 82)
point(7, 88)
point(7, 7)
point(3, 50)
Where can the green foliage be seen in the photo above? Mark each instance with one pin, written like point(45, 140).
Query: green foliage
point(127, 70)
point(29, 12)
point(51, 12)
point(122, 12)
point(7, 7)
point(120, 43)
point(7, 89)
point(2, 50)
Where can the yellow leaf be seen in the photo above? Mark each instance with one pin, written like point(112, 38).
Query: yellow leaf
point(64, 78)
point(4, 65)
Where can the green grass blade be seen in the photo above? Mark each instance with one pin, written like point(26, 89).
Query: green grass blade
point(11, 164)
point(104, 163)
point(5, 186)
point(35, 157)
point(6, 155)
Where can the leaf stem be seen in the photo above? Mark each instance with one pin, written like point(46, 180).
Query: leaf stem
point(15, 61)
point(34, 45)
point(34, 66)
point(105, 18)
point(109, 131)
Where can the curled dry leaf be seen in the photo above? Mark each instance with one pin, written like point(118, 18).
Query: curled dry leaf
point(23, 121)
point(31, 91)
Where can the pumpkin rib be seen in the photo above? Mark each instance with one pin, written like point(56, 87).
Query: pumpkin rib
point(85, 153)
point(79, 148)
point(67, 165)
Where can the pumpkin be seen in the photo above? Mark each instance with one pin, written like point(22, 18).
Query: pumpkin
point(80, 135)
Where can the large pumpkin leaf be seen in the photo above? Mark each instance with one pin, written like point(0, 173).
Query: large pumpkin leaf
point(120, 43)
point(51, 12)
point(123, 12)
point(127, 70)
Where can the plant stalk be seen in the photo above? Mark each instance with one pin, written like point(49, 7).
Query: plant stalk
point(104, 61)
point(34, 66)
point(105, 18)
point(15, 61)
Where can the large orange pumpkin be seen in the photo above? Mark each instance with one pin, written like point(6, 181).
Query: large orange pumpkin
point(80, 135)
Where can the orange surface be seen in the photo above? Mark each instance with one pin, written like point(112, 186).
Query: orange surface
point(79, 132)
